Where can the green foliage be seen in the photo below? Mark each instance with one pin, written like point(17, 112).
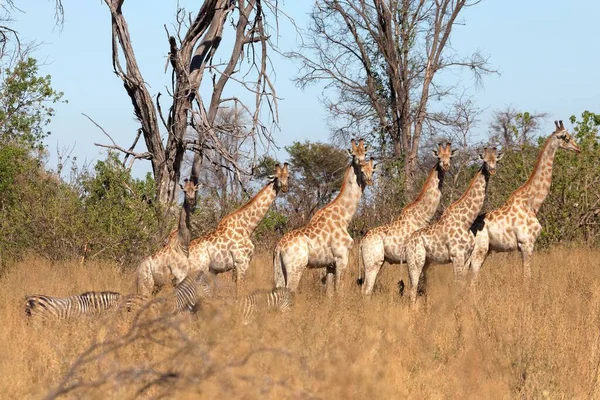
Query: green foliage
point(572, 211)
point(25, 99)
point(120, 218)
point(37, 210)
point(13, 160)
point(106, 214)
point(317, 170)
point(271, 227)
point(265, 167)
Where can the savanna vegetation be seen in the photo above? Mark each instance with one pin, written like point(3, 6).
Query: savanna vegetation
point(68, 228)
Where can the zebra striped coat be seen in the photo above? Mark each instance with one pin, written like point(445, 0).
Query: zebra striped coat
point(185, 296)
point(261, 300)
point(88, 303)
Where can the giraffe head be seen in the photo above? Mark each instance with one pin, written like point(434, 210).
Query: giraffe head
point(565, 139)
point(367, 169)
point(490, 156)
point(280, 178)
point(189, 190)
point(444, 154)
point(358, 152)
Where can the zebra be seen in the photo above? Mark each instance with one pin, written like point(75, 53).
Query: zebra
point(88, 303)
point(278, 299)
point(190, 290)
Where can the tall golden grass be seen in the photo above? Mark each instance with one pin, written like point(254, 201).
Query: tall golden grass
point(502, 340)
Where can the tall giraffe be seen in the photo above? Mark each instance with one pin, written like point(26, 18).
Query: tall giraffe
point(325, 241)
point(172, 259)
point(515, 225)
point(386, 242)
point(229, 246)
point(449, 239)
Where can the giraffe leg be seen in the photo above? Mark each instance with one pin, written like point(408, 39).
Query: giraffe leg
point(422, 285)
point(341, 264)
point(415, 261)
point(480, 252)
point(373, 254)
point(330, 280)
point(460, 268)
point(241, 261)
point(527, 257)
point(294, 275)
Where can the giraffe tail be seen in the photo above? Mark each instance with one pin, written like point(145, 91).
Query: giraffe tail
point(278, 273)
point(361, 269)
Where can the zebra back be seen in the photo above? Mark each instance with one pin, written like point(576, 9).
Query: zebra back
point(133, 302)
point(261, 300)
point(87, 303)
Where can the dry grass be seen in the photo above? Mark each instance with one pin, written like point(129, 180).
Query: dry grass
point(502, 341)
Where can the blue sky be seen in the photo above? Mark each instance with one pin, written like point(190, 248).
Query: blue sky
point(546, 51)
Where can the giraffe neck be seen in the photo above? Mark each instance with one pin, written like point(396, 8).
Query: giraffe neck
point(537, 186)
point(347, 200)
point(250, 215)
point(464, 210)
point(184, 236)
point(423, 208)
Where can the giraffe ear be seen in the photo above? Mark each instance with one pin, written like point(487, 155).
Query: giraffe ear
point(453, 153)
point(271, 177)
point(181, 186)
point(499, 156)
point(434, 152)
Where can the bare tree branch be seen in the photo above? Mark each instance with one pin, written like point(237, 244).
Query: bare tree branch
point(379, 60)
point(115, 146)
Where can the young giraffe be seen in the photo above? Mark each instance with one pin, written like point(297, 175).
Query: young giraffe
point(449, 238)
point(515, 225)
point(172, 260)
point(386, 242)
point(324, 241)
point(229, 246)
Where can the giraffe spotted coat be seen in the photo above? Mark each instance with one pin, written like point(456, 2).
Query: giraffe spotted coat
point(515, 226)
point(449, 239)
point(229, 246)
point(386, 242)
point(325, 241)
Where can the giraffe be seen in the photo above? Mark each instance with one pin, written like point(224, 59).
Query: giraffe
point(386, 242)
point(515, 225)
point(229, 246)
point(324, 241)
point(172, 260)
point(449, 238)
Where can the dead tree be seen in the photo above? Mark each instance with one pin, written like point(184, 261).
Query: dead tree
point(190, 118)
point(381, 58)
point(511, 128)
